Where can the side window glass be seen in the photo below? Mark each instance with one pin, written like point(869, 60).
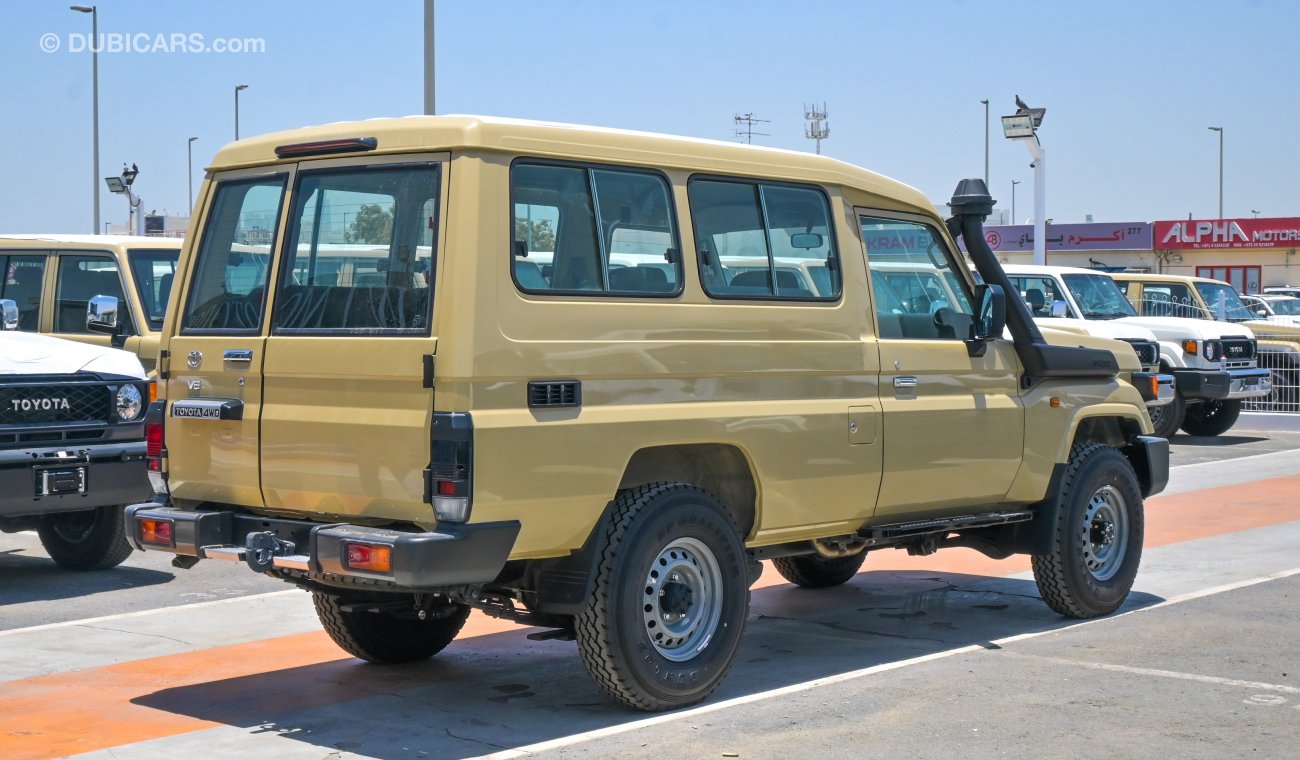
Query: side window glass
point(229, 286)
point(80, 278)
point(916, 287)
point(579, 229)
point(754, 240)
point(359, 254)
point(23, 277)
point(153, 272)
point(1038, 293)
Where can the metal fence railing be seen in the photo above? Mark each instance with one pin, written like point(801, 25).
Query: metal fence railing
point(1282, 365)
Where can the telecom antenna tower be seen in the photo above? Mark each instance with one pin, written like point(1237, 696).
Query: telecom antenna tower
point(816, 130)
point(747, 131)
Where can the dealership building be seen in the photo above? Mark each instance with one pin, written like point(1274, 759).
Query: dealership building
point(1252, 254)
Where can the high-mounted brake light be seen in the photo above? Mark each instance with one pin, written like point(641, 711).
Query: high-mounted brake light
point(375, 558)
point(326, 147)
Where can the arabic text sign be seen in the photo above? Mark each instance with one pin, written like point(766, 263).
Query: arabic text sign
point(1228, 233)
point(1114, 236)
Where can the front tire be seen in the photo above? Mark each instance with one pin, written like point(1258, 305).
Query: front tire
point(88, 540)
point(671, 593)
point(387, 637)
point(1211, 417)
point(1097, 542)
point(1166, 419)
point(815, 571)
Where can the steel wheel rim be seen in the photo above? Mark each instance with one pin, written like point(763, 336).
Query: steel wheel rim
point(1157, 413)
point(682, 601)
point(75, 527)
point(1104, 533)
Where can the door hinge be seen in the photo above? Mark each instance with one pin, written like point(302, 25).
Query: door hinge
point(164, 364)
point(428, 370)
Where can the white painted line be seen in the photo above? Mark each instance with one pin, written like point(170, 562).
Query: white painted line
point(143, 613)
point(1235, 460)
point(600, 733)
point(1130, 670)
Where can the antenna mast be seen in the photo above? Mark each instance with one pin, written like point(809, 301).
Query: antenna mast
point(816, 129)
point(747, 131)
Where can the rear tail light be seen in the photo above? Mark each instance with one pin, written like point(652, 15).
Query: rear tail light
point(153, 444)
point(449, 479)
point(374, 558)
point(157, 532)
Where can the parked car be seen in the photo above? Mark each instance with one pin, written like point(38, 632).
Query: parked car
point(598, 450)
point(53, 277)
point(72, 449)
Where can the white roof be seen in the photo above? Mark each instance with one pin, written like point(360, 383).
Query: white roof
point(59, 237)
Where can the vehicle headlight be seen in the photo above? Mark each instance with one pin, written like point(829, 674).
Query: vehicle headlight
point(1213, 350)
point(129, 403)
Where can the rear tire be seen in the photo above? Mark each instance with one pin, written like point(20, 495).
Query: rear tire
point(1211, 417)
point(671, 593)
point(1168, 418)
point(386, 638)
point(88, 540)
point(816, 571)
point(1097, 543)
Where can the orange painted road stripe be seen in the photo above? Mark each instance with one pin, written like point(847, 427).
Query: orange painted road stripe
point(69, 713)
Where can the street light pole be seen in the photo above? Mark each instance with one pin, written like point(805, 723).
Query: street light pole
point(189, 157)
point(1220, 131)
point(986, 142)
point(1014, 182)
point(93, 10)
point(238, 87)
point(428, 58)
point(1023, 126)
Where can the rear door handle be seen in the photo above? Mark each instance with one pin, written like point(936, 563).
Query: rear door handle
point(905, 381)
point(237, 355)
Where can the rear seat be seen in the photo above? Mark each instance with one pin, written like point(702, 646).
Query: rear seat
point(325, 307)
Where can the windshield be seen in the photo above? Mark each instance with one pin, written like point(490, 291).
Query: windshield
point(153, 272)
point(1286, 306)
point(1233, 309)
point(1098, 296)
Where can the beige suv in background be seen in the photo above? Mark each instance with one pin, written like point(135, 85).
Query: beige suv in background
point(586, 379)
point(53, 277)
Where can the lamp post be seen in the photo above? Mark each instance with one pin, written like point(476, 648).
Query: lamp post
point(428, 58)
point(1220, 131)
point(1023, 126)
point(189, 159)
point(1014, 182)
point(238, 87)
point(94, 96)
point(1255, 211)
point(122, 186)
point(986, 145)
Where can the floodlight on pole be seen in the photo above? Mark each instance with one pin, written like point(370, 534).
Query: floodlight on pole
point(1023, 126)
point(122, 186)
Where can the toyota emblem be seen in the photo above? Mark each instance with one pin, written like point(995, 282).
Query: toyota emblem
point(194, 359)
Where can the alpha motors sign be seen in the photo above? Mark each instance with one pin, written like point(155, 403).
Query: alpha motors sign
point(1228, 233)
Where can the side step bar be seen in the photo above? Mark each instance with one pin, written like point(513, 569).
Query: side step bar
point(882, 534)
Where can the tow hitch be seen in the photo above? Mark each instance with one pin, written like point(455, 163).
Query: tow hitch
point(261, 549)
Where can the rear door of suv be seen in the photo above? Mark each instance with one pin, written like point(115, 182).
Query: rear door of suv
point(346, 413)
point(217, 351)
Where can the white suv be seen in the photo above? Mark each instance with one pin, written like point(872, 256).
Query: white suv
point(1071, 295)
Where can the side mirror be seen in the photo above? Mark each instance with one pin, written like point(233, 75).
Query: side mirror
point(992, 313)
point(101, 315)
point(1060, 309)
point(1262, 312)
point(8, 314)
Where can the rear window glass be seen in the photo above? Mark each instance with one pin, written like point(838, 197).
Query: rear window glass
point(229, 287)
point(154, 273)
point(359, 256)
point(80, 279)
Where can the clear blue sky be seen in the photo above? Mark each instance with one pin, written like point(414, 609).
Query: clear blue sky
point(1129, 87)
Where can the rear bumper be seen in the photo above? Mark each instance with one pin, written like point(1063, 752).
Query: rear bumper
point(452, 555)
point(1224, 384)
point(110, 475)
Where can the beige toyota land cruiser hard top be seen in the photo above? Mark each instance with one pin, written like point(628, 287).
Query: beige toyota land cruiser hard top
point(53, 277)
point(586, 379)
